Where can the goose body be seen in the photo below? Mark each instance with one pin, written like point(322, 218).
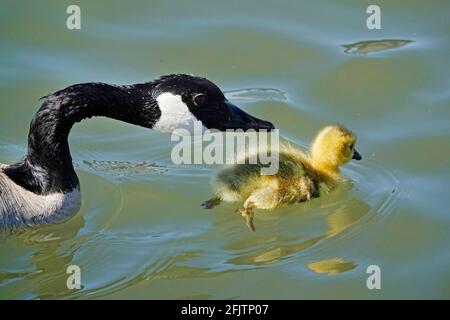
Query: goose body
point(300, 176)
point(20, 207)
point(44, 188)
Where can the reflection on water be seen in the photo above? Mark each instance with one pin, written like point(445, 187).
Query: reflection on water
point(369, 46)
point(49, 261)
point(331, 266)
point(255, 94)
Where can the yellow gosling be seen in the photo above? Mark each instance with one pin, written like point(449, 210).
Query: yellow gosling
point(300, 176)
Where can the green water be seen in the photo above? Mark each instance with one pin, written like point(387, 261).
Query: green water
point(141, 232)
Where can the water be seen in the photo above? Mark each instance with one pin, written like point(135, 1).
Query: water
point(141, 232)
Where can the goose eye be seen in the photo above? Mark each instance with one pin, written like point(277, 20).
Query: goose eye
point(200, 99)
point(351, 147)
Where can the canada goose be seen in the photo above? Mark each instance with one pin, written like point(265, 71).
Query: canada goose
point(43, 187)
point(299, 178)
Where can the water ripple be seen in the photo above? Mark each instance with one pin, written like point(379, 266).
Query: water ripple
point(306, 229)
point(371, 46)
point(256, 94)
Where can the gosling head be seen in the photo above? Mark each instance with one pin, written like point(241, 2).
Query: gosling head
point(333, 147)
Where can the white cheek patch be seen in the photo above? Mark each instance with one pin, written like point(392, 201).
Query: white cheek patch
point(175, 114)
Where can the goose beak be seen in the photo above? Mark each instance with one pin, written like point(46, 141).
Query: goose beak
point(241, 120)
point(356, 155)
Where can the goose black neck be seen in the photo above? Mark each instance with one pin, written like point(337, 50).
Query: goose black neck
point(48, 167)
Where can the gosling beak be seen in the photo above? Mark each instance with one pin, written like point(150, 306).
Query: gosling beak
point(356, 155)
point(239, 119)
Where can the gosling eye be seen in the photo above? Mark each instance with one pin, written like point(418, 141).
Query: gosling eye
point(351, 146)
point(200, 99)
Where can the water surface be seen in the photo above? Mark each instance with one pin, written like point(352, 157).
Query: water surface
point(141, 232)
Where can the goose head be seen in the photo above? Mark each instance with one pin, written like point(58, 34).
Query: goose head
point(183, 100)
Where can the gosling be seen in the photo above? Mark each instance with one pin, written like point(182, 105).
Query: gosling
point(300, 176)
